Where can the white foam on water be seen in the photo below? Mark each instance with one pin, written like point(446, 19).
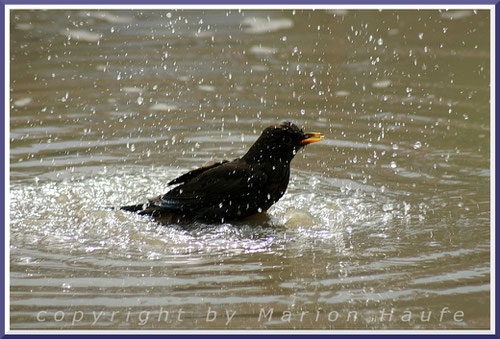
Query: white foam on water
point(22, 102)
point(206, 88)
point(263, 50)
point(455, 15)
point(108, 17)
point(81, 35)
point(382, 84)
point(162, 107)
point(266, 25)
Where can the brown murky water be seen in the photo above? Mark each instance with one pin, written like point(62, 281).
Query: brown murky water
point(390, 213)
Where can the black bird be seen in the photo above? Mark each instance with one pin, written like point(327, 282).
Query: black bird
point(229, 190)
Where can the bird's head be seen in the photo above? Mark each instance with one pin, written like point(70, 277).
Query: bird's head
point(280, 143)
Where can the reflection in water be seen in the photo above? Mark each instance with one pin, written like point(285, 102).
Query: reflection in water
point(390, 212)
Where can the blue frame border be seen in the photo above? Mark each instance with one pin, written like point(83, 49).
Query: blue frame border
point(3, 3)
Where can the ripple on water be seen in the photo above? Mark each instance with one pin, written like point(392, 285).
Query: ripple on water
point(75, 214)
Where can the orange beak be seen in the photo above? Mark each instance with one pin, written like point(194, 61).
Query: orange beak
point(309, 138)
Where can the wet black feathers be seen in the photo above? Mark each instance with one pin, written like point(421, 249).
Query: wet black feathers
point(229, 190)
point(191, 174)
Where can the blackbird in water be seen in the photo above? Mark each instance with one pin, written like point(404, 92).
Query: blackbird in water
point(229, 190)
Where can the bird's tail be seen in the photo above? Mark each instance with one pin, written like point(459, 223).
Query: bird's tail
point(143, 209)
point(133, 208)
point(161, 215)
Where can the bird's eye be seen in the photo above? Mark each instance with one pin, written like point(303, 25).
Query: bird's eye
point(287, 139)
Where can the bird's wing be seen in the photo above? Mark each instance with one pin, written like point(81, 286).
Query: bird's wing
point(213, 186)
point(191, 174)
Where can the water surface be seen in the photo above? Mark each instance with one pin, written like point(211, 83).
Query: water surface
point(390, 212)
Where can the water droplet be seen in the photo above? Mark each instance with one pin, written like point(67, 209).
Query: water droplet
point(417, 145)
point(140, 100)
point(393, 164)
point(65, 97)
point(406, 207)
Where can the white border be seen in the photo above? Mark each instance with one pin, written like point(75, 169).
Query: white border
point(8, 8)
point(263, 7)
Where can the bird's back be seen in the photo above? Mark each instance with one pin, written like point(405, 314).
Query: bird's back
point(231, 190)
